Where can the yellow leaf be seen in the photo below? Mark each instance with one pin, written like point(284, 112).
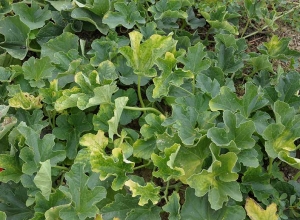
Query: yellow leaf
point(256, 212)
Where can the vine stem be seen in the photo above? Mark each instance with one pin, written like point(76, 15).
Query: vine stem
point(61, 168)
point(144, 109)
point(246, 27)
point(166, 191)
point(296, 177)
point(142, 166)
point(34, 50)
point(264, 27)
point(270, 167)
point(139, 92)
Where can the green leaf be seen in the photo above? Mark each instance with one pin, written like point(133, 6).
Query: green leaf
point(64, 42)
point(43, 179)
point(13, 201)
point(11, 166)
point(3, 215)
point(83, 14)
point(217, 20)
point(196, 208)
point(56, 198)
point(166, 169)
point(257, 181)
point(113, 123)
point(280, 136)
point(126, 15)
point(196, 59)
point(16, 35)
point(261, 63)
point(100, 121)
point(196, 158)
point(153, 126)
point(240, 134)
point(168, 77)
point(279, 48)
point(69, 128)
point(115, 165)
point(164, 10)
point(126, 207)
point(34, 17)
point(207, 85)
point(83, 198)
point(218, 181)
point(287, 88)
point(5, 6)
point(256, 212)
point(144, 148)
point(148, 192)
point(36, 70)
point(188, 118)
point(227, 100)
point(99, 7)
point(38, 150)
point(173, 206)
point(141, 57)
point(193, 21)
point(107, 71)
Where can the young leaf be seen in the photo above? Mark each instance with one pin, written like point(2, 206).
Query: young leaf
point(153, 126)
point(141, 57)
point(7, 123)
point(279, 48)
point(256, 212)
point(113, 123)
point(115, 165)
point(11, 168)
point(36, 70)
point(261, 62)
point(83, 199)
point(148, 192)
point(25, 101)
point(199, 208)
point(165, 165)
point(173, 206)
point(34, 17)
point(127, 15)
point(168, 77)
point(16, 34)
point(207, 85)
point(43, 179)
point(280, 136)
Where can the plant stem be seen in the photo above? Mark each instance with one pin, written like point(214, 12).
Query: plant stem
point(142, 166)
point(296, 177)
point(166, 191)
point(139, 92)
point(143, 109)
point(34, 50)
point(264, 27)
point(246, 27)
point(61, 168)
point(175, 186)
point(270, 166)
